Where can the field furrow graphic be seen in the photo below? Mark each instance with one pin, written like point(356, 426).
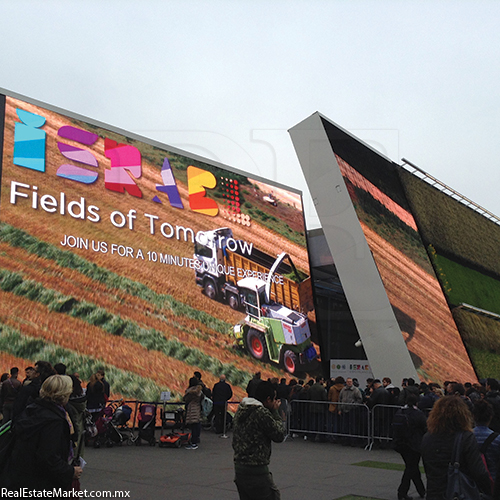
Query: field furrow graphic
point(125, 383)
point(435, 340)
point(8, 361)
point(155, 313)
point(121, 305)
point(121, 326)
point(141, 350)
point(109, 280)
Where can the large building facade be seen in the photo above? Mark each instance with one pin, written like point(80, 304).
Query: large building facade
point(122, 253)
point(408, 265)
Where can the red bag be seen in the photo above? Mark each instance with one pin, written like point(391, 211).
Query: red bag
point(75, 484)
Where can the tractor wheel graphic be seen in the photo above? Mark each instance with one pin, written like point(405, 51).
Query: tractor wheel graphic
point(256, 345)
point(290, 361)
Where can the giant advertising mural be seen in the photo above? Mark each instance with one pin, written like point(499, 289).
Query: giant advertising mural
point(414, 291)
point(118, 253)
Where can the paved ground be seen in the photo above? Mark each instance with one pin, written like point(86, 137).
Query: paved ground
point(302, 470)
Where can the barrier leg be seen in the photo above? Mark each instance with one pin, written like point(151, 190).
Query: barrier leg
point(224, 435)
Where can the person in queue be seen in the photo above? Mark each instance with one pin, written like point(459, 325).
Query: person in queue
point(409, 427)
point(449, 417)
point(96, 397)
point(192, 398)
point(42, 442)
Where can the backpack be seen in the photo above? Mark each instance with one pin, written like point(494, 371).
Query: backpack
point(206, 406)
point(460, 485)
point(401, 429)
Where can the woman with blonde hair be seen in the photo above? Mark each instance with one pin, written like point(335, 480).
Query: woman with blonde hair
point(448, 419)
point(42, 446)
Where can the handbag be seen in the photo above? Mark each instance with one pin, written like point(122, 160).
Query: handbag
point(460, 485)
point(75, 485)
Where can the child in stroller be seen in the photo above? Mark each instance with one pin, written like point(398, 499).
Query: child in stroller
point(112, 425)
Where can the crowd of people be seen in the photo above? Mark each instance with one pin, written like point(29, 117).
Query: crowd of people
point(380, 392)
point(46, 412)
point(427, 421)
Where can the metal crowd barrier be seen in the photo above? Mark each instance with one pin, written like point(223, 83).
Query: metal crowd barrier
point(381, 417)
point(347, 423)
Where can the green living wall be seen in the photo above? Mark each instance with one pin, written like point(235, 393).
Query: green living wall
point(464, 248)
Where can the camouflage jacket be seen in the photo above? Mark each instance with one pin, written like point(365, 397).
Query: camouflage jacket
point(254, 428)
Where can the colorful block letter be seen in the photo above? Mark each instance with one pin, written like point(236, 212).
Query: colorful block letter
point(198, 180)
point(169, 186)
point(73, 172)
point(124, 158)
point(29, 141)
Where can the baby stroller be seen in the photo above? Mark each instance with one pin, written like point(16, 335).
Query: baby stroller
point(111, 425)
point(102, 423)
point(119, 421)
point(174, 422)
point(147, 422)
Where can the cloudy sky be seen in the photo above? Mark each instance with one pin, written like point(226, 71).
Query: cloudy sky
point(227, 79)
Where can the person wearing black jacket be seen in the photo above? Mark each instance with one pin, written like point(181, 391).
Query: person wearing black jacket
point(449, 417)
point(9, 392)
point(30, 392)
point(408, 387)
point(493, 397)
point(41, 451)
point(252, 385)
point(409, 426)
point(379, 402)
point(427, 398)
point(96, 397)
point(221, 394)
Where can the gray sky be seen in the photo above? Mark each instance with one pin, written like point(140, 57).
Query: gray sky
point(227, 79)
